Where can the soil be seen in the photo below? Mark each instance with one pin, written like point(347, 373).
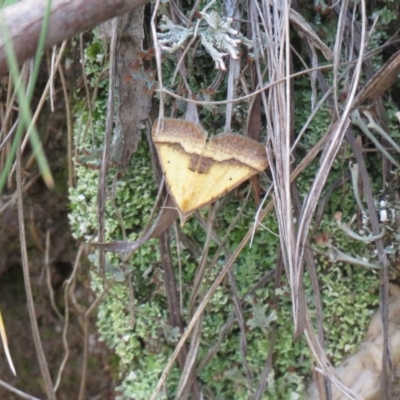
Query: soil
point(46, 211)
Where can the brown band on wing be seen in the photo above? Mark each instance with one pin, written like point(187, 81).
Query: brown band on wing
point(224, 147)
point(246, 151)
point(190, 136)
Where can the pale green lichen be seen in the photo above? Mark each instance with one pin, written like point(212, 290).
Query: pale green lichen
point(216, 36)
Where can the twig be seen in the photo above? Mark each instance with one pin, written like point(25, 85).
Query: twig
point(16, 391)
point(28, 290)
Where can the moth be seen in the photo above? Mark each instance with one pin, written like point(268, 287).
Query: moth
point(199, 171)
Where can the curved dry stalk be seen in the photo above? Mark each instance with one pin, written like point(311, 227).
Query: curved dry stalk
point(242, 98)
point(88, 314)
point(17, 392)
point(48, 276)
point(28, 290)
point(69, 284)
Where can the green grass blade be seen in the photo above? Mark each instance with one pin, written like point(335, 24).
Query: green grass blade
point(24, 99)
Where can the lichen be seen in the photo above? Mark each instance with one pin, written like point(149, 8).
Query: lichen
point(216, 35)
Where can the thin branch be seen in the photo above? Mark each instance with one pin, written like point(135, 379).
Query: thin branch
point(68, 18)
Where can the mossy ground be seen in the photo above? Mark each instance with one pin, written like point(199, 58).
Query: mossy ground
point(135, 326)
point(143, 340)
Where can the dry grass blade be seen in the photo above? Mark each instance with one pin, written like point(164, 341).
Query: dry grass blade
point(293, 243)
point(381, 81)
point(3, 337)
point(305, 29)
point(189, 371)
point(309, 207)
point(279, 133)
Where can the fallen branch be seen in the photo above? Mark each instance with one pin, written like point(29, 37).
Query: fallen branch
point(68, 18)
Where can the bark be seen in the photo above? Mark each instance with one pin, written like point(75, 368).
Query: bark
point(68, 18)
